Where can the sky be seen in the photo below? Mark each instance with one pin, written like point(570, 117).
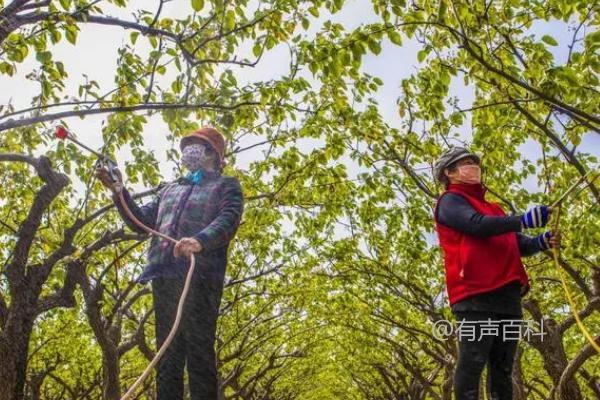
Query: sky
point(95, 56)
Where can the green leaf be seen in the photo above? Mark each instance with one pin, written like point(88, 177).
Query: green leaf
point(71, 33)
point(44, 56)
point(257, 49)
point(346, 57)
point(176, 86)
point(55, 35)
point(270, 43)
point(14, 38)
point(230, 20)
point(593, 40)
point(23, 51)
point(133, 37)
point(456, 118)
point(197, 5)
point(395, 38)
point(422, 55)
point(549, 40)
point(305, 23)
point(442, 10)
point(6, 68)
point(66, 4)
point(60, 67)
point(374, 46)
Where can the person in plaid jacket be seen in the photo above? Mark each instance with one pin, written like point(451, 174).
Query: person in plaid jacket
point(202, 211)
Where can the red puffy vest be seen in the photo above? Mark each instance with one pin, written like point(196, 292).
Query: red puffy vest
point(478, 264)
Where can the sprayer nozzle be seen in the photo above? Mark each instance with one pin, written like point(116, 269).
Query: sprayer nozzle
point(61, 132)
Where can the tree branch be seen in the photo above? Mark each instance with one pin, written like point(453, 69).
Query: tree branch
point(62, 297)
point(35, 17)
point(55, 182)
point(39, 4)
point(529, 88)
point(592, 305)
point(567, 376)
point(411, 173)
point(12, 124)
point(13, 7)
point(3, 310)
point(559, 144)
point(137, 337)
point(253, 277)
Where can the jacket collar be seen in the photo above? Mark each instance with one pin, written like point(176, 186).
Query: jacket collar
point(207, 175)
point(476, 190)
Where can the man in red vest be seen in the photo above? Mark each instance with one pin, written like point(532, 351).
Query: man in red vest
point(485, 277)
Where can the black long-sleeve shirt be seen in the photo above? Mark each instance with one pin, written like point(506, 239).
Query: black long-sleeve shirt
point(455, 212)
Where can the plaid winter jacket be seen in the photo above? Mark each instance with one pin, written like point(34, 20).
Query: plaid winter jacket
point(209, 212)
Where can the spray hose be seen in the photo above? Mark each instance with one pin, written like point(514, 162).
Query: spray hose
point(555, 256)
point(62, 133)
point(128, 395)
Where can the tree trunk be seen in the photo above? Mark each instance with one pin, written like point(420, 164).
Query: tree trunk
point(110, 372)
point(552, 350)
point(555, 362)
point(518, 386)
point(14, 347)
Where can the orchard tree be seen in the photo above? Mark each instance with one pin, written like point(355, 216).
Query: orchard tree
point(63, 246)
point(525, 97)
point(334, 279)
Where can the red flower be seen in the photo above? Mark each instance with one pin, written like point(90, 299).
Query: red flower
point(61, 132)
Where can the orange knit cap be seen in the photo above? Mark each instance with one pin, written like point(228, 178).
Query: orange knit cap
point(210, 135)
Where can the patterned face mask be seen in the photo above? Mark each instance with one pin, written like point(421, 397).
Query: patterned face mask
point(195, 156)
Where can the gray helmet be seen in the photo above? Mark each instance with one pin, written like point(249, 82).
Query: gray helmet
point(448, 157)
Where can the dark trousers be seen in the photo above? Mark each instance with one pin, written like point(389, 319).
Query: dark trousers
point(194, 343)
point(494, 350)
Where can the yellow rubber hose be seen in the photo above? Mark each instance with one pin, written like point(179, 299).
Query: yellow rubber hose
point(555, 256)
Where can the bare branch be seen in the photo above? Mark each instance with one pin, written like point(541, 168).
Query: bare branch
point(31, 6)
point(592, 305)
point(559, 144)
point(567, 376)
point(35, 17)
point(137, 337)
point(467, 45)
point(253, 277)
point(3, 311)
point(54, 183)
point(62, 297)
point(12, 124)
point(14, 6)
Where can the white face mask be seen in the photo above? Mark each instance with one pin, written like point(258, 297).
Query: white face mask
point(469, 173)
point(194, 157)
